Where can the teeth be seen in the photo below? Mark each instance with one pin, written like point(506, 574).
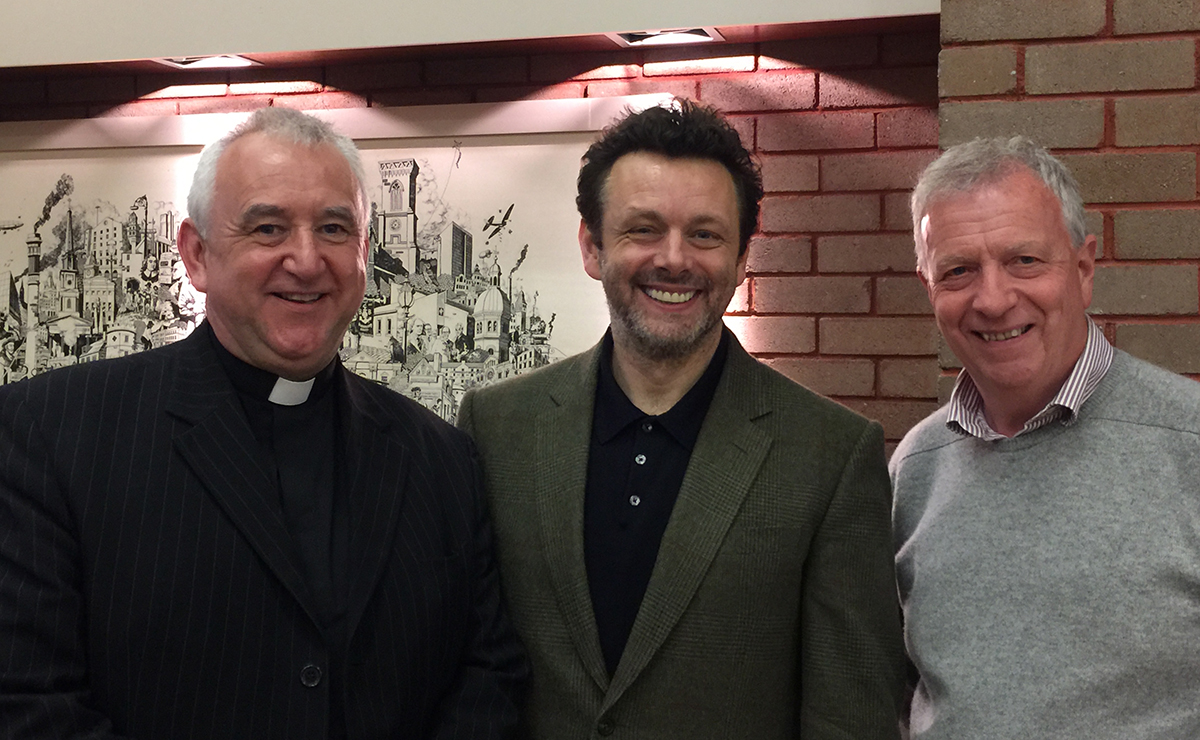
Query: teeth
point(666, 297)
point(988, 337)
point(300, 297)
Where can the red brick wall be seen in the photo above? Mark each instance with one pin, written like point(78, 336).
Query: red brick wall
point(1111, 86)
point(841, 125)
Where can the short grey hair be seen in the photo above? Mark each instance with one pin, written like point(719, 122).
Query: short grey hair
point(966, 167)
point(282, 123)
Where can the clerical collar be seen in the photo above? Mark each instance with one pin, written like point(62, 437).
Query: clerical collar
point(264, 385)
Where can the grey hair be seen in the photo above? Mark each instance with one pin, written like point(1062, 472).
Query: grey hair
point(966, 167)
point(281, 123)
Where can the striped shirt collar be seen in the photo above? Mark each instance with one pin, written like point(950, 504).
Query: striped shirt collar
point(966, 404)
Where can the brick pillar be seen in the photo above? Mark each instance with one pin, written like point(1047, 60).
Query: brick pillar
point(1111, 87)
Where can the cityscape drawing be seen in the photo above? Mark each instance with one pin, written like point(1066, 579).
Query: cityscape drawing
point(473, 273)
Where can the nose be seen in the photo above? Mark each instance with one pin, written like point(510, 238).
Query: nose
point(303, 258)
point(672, 252)
point(996, 293)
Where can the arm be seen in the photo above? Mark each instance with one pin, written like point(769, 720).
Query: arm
point(44, 688)
point(851, 656)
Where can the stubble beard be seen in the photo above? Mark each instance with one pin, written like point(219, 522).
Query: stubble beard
point(630, 325)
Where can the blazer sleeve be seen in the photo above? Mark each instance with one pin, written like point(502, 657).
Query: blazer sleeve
point(43, 673)
point(851, 648)
point(484, 700)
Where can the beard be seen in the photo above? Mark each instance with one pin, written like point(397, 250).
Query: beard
point(671, 340)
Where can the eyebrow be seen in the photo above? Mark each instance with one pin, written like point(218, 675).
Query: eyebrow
point(266, 210)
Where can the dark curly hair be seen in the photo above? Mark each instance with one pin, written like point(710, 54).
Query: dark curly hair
point(683, 130)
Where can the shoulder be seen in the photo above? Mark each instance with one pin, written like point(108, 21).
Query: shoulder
point(525, 392)
point(129, 374)
point(928, 435)
point(405, 419)
point(1136, 391)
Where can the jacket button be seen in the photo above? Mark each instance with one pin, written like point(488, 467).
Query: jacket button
point(606, 727)
point(310, 675)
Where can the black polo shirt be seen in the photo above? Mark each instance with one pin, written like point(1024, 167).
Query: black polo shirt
point(636, 464)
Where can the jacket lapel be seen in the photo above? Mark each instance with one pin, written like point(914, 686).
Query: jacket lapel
point(724, 463)
point(564, 432)
point(221, 449)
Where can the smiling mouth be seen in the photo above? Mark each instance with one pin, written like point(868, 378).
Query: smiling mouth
point(1001, 336)
point(299, 297)
point(664, 296)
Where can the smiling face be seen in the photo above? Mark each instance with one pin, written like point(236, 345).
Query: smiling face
point(668, 259)
point(1009, 292)
point(284, 264)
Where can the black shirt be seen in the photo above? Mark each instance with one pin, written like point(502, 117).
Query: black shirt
point(636, 464)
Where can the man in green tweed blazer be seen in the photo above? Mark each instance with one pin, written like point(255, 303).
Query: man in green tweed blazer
point(692, 546)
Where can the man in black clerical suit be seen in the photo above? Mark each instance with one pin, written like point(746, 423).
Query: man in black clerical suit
point(233, 536)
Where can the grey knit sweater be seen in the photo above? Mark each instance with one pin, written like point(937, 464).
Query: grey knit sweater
point(1051, 582)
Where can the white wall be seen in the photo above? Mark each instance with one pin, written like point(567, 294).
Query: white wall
point(68, 31)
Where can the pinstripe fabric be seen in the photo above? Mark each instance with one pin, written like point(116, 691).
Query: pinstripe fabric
point(771, 611)
point(149, 588)
point(965, 411)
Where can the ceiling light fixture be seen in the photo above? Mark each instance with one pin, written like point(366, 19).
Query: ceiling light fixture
point(220, 61)
point(667, 36)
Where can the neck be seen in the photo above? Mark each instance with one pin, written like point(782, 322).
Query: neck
point(656, 385)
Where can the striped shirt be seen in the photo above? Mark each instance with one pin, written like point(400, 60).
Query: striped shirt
point(966, 404)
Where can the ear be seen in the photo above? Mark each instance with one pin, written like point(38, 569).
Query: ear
point(1085, 261)
point(590, 251)
point(193, 253)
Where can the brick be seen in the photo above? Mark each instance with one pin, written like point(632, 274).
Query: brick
point(374, 76)
point(807, 213)
point(680, 88)
point(1175, 346)
point(905, 127)
point(909, 378)
point(1157, 234)
point(897, 216)
point(477, 71)
point(137, 108)
point(225, 104)
point(745, 126)
point(698, 60)
point(901, 294)
point(1151, 64)
point(876, 336)
point(422, 96)
point(897, 417)
point(1146, 290)
point(879, 87)
point(824, 52)
point(332, 100)
point(173, 92)
point(866, 253)
point(150, 84)
point(774, 334)
point(817, 294)
point(769, 91)
point(874, 170)
point(829, 377)
point(1134, 178)
point(809, 131)
point(1093, 221)
point(992, 20)
point(945, 386)
point(909, 49)
point(585, 66)
point(91, 89)
point(1056, 124)
point(1158, 119)
point(946, 357)
point(506, 93)
point(1153, 16)
point(290, 87)
point(276, 74)
point(977, 70)
point(741, 298)
point(22, 92)
point(779, 254)
point(789, 172)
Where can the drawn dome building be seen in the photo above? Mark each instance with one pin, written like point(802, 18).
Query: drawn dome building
point(492, 314)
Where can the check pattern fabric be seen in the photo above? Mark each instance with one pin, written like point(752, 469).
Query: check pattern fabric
point(965, 412)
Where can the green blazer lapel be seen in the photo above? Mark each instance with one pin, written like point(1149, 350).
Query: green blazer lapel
point(724, 463)
point(564, 431)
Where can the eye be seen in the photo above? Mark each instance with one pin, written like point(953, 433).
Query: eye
point(1026, 259)
point(954, 272)
point(267, 229)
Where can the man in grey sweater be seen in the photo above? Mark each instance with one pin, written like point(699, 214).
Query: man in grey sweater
point(1047, 519)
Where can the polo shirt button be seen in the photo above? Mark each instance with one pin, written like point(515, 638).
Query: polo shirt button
point(640, 459)
point(310, 675)
point(647, 427)
point(635, 500)
point(606, 727)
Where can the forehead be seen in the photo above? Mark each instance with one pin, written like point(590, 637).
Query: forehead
point(258, 166)
point(1017, 209)
point(651, 180)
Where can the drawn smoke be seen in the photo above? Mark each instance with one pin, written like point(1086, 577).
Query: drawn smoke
point(64, 188)
point(434, 212)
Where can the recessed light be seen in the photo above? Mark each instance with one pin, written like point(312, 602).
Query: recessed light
point(220, 61)
point(666, 36)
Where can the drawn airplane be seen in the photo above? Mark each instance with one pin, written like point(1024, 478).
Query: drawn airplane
point(10, 225)
point(497, 226)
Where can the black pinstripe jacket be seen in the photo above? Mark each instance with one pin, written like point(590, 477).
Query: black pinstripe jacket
point(149, 588)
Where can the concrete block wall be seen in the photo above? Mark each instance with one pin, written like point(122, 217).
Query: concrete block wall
point(1112, 87)
point(840, 123)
